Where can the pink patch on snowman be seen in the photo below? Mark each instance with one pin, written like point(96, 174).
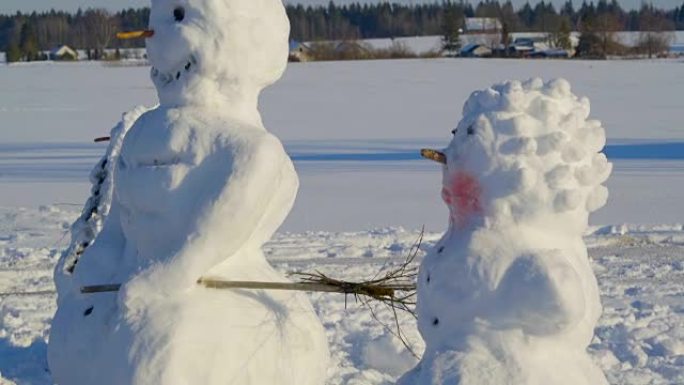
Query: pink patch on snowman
point(462, 194)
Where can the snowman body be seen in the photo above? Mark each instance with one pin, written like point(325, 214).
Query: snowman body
point(199, 186)
point(507, 296)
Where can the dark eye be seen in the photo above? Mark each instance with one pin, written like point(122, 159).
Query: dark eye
point(471, 130)
point(454, 131)
point(179, 14)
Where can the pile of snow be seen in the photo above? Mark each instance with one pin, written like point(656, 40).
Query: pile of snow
point(198, 186)
point(508, 294)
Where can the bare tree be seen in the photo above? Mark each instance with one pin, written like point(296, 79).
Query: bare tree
point(655, 32)
point(101, 27)
point(606, 26)
point(451, 30)
point(561, 37)
point(52, 30)
point(509, 22)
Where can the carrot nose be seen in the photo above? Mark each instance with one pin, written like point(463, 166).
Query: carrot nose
point(135, 34)
point(435, 155)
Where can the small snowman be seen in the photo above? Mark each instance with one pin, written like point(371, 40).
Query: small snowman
point(199, 186)
point(508, 296)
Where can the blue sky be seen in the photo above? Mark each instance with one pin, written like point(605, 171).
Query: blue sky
point(11, 6)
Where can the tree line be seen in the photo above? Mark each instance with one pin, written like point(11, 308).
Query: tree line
point(382, 20)
point(26, 36)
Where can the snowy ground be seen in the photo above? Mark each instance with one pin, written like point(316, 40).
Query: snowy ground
point(353, 130)
point(640, 339)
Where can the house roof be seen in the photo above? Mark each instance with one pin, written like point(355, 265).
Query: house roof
point(63, 50)
point(482, 24)
point(469, 48)
point(298, 45)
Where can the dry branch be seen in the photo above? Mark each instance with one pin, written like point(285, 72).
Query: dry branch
point(392, 286)
point(402, 278)
point(100, 289)
point(330, 286)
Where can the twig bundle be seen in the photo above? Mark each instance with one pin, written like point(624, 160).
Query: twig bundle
point(312, 283)
point(392, 287)
point(328, 286)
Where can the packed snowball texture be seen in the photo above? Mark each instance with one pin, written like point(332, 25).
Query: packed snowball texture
point(193, 189)
point(507, 296)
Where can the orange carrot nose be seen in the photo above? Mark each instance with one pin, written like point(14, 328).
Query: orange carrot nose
point(435, 155)
point(135, 34)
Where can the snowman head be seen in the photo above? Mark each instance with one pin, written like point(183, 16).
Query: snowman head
point(203, 49)
point(524, 153)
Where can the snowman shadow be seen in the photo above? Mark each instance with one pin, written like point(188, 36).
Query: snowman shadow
point(24, 365)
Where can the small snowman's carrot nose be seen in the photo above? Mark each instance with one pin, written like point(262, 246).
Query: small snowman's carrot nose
point(435, 155)
point(135, 34)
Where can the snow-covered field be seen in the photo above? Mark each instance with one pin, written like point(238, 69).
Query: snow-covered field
point(353, 130)
point(640, 338)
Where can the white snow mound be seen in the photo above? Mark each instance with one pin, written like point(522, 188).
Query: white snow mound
point(508, 296)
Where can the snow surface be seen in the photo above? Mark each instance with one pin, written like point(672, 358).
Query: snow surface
point(353, 129)
point(640, 270)
point(416, 44)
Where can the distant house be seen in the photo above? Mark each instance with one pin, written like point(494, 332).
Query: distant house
point(551, 53)
point(351, 48)
point(485, 25)
point(63, 53)
point(330, 50)
point(532, 43)
point(475, 50)
point(523, 45)
point(299, 52)
point(539, 46)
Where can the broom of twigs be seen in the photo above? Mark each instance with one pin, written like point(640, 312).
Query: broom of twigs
point(392, 286)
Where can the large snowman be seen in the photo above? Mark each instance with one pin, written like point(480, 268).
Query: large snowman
point(199, 186)
point(508, 296)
